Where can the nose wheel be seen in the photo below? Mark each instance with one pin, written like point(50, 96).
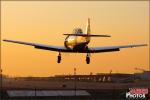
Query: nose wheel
point(88, 58)
point(59, 58)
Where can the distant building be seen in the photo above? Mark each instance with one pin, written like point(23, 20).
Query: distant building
point(144, 75)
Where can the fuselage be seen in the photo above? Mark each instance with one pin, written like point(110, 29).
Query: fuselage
point(76, 42)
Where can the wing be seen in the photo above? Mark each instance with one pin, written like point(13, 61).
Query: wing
point(42, 46)
point(64, 49)
point(112, 48)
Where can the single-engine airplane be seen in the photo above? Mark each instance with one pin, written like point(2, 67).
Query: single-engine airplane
point(77, 42)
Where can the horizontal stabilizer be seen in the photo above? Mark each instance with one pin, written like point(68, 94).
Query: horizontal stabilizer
point(90, 35)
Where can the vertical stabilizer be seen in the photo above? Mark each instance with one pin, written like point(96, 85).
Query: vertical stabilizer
point(88, 30)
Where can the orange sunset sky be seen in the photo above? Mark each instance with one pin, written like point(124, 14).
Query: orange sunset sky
point(45, 21)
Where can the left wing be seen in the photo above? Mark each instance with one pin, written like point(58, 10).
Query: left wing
point(112, 48)
point(41, 46)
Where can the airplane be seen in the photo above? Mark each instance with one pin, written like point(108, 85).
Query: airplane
point(77, 42)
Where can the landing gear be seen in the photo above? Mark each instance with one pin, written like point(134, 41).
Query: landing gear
point(59, 58)
point(88, 58)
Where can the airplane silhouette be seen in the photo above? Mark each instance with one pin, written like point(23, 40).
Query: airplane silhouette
point(77, 42)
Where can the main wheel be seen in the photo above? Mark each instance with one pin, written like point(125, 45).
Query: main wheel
point(88, 60)
point(59, 59)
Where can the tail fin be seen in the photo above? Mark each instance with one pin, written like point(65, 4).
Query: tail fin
point(88, 30)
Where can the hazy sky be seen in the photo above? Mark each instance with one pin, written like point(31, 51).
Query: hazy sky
point(45, 21)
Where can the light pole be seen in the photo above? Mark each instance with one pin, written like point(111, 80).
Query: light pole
point(75, 87)
point(1, 79)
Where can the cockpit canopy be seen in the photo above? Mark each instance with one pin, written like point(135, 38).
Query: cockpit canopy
point(77, 31)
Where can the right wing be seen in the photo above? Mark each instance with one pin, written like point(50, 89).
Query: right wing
point(112, 48)
point(41, 46)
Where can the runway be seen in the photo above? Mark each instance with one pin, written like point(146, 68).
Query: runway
point(64, 89)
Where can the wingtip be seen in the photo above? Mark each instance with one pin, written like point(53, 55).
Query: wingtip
point(145, 44)
point(107, 35)
point(4, 39)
